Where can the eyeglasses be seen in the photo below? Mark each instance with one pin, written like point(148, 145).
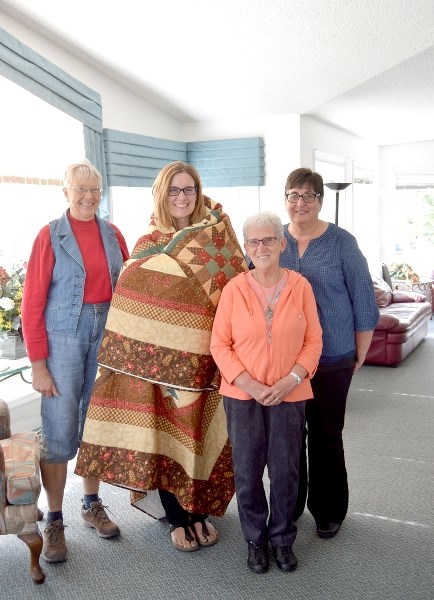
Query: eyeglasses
point(83, 190)
point(188, 191)
point(307, 197)
point(267, 241)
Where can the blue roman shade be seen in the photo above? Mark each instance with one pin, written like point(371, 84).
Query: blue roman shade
point(134, 160)
point(228, 163)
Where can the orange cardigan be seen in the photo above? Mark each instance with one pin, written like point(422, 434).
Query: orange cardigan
point(239, 336)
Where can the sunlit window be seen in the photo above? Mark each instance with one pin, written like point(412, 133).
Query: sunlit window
point(413, 227)
point(38, 141)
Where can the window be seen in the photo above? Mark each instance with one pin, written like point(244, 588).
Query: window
point(38, 142)
point(413, 222)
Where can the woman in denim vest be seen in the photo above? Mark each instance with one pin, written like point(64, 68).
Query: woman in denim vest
point(73, 268)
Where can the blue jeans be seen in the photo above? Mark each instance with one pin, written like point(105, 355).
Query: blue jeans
point(266, 436)
point(72, 363)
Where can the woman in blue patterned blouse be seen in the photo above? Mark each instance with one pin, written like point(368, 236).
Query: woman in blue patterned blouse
point(330, 259)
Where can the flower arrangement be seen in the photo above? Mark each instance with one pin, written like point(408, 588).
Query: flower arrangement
point(11, 293)
point(403, 271)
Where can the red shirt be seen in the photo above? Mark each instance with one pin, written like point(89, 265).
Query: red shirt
point(97, 287)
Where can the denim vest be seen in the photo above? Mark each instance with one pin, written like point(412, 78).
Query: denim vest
point(66, 292)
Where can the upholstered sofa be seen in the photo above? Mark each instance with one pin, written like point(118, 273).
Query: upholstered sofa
point(402, 326)
point(20, 486)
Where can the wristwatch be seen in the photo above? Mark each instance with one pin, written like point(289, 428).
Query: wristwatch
point(296, 377)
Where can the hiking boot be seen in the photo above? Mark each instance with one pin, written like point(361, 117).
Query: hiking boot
point(96, 517)
point(54, 547)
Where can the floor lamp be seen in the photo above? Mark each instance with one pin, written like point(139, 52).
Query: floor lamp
point(337, 187)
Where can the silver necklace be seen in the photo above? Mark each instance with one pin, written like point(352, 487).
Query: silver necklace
point(269, 311)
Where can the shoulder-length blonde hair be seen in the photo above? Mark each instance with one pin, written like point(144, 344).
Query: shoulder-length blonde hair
point(160, 191)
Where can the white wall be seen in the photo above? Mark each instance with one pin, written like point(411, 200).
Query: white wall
point(316, 135)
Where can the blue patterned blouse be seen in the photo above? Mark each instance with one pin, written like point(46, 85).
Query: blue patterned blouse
point(341, 282)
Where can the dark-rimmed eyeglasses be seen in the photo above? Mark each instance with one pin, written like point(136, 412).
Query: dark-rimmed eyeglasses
point(267, 241)
point(95, 191)
point(307, 197)
point(188, 191)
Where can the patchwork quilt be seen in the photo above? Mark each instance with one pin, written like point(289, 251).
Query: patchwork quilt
point(156, 419)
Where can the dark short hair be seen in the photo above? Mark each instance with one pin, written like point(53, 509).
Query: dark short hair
point(300, 177)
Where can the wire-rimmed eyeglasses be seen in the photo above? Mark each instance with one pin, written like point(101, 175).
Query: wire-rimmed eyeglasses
point(308, 197)
point(188, 191)
point(267, 241)
point(83, 190)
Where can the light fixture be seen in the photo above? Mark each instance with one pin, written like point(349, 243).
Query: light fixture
point(337, 187)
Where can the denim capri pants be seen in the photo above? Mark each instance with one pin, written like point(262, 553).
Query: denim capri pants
point(72, 362)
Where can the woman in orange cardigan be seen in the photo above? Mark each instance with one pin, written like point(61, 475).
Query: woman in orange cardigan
point(266, 341)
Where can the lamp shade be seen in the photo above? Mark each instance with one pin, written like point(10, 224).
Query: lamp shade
point(337, 187)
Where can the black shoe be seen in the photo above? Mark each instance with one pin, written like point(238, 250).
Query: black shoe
point(257, 560)
point(327, 530)
point(285, 558)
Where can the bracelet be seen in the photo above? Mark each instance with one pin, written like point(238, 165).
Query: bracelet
point(296, 377)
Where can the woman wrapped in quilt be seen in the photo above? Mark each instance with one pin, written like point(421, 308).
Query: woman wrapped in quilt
point(156, 419)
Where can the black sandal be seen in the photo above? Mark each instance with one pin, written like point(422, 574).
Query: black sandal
point(189, 536)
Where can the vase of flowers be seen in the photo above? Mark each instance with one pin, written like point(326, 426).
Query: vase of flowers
point(403, 271)
point(11, 293)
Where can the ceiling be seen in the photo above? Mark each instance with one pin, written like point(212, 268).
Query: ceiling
point(364, 66)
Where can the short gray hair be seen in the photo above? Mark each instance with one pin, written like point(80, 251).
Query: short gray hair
point(264, 219)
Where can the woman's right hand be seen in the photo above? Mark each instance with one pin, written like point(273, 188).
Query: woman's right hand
point(249, 385)
point(41, 379)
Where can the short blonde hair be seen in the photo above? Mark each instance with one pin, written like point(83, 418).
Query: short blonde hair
point(160, 191)
point(81, 170)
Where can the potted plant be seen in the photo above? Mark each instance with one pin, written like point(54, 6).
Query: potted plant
point(11, 293)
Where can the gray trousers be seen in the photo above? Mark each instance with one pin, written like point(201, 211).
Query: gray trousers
point(266, 436)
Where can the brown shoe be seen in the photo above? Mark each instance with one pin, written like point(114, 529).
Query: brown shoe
point(54, 548)
point(97, 518)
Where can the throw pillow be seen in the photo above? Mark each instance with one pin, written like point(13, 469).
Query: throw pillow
point(407, 297)
point(383, 292)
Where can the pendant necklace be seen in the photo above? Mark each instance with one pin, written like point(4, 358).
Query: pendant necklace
point(269, 311)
